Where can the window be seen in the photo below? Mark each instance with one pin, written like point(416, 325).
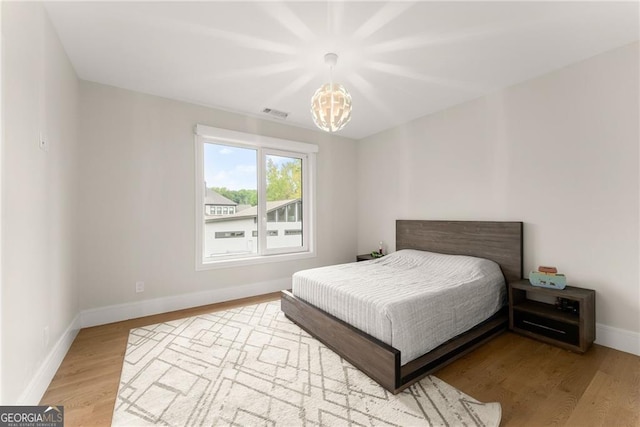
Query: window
point(292, 215)
point(228, 234)
point(271, 181)
point(269, 233)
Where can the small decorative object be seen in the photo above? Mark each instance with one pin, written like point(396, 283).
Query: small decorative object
point(548, 277)
point(378, 253)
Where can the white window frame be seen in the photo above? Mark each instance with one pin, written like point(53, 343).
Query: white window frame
point(264, 146)
point(262, 195)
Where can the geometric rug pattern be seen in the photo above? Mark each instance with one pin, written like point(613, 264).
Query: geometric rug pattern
point(251, 366)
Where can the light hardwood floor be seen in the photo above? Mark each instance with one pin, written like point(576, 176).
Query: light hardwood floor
point(536, 384)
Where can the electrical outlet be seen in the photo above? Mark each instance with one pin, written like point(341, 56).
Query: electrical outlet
point(43, 143)
point(139, 287)
point(45, 336)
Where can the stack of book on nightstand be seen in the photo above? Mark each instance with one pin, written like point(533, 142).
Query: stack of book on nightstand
point(548, 277)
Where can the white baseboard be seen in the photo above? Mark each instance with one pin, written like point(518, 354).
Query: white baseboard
point(619, 339)
point(42, 378)
point(132, 310)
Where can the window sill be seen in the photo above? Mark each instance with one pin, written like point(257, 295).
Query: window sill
point(256, 260)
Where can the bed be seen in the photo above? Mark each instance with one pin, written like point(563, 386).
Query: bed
point(365, 341)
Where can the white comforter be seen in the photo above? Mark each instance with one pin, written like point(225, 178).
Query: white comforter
point(411, 300)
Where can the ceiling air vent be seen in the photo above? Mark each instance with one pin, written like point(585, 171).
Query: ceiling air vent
point(276, 113)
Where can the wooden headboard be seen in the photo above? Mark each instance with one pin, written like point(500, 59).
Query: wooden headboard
point(495, 240)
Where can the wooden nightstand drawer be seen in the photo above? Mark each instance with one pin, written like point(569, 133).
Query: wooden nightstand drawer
point(555, 329)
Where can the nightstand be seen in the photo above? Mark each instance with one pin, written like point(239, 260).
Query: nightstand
point(365, 257)
point(573, 329)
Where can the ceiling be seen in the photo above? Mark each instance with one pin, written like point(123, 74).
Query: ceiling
point(399, 60)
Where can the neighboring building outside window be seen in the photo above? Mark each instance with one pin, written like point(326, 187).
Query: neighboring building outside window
point(216, 204)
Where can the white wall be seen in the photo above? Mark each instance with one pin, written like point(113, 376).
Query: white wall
point(39, 287)
point(137, 192)
point(2, 137)
point(559, 152)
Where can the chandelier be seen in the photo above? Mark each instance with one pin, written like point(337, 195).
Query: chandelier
point(331, 104)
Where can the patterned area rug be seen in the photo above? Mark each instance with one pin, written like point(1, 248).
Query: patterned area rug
point(251, 366)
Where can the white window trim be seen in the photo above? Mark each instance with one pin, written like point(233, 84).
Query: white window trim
point(271, 146)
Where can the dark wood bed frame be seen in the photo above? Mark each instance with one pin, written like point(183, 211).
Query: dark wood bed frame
point(497, 241)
